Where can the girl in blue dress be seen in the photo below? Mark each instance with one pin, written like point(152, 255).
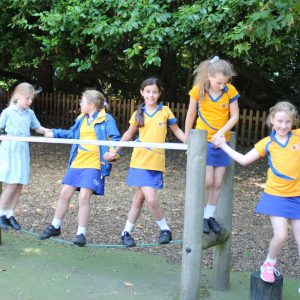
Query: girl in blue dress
point(87, 167)
point(17, 120)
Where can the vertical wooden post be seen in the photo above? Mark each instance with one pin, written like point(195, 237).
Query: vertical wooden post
point(222, 252)
point(193, 215)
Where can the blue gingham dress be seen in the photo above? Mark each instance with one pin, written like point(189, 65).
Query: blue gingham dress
point(15, 156)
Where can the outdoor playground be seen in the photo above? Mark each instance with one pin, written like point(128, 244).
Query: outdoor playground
point(105, 270)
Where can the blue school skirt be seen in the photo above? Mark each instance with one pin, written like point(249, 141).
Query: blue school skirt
point(216, 157)
point(85, 178)
point(287, 207)
point(140, 177)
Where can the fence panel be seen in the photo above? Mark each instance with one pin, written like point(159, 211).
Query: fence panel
point(60, 110)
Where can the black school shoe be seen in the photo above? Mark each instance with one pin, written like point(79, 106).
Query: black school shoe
point(13, 223)
point(3, 222)
point(165, 237)
point(127, 240)
point(80, 240)
point(214, 225)
point(205, 226)
point(48, 232)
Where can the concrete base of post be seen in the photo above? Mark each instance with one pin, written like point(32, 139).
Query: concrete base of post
point(260, 290)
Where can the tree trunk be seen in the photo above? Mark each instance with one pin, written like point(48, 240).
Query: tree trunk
point(169, 76)
point(45, 76)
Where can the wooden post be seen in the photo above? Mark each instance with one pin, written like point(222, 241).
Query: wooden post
point(260, 290)
point(193, 215)
point(222, 251)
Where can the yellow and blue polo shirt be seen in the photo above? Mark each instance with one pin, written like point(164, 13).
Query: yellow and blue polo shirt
point(154, 130)
point(284, 164)
point(214, 113)
point(88, 156)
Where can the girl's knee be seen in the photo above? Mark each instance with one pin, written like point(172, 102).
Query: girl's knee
point(153, 203)
point(218, 184)
point(281, 237)
point(209, 183)
point(83, 201)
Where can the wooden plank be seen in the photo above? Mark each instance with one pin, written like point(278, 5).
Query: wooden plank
point(263, 124)
point(119, 115)
point(244, 119)
point(249, 127)
point(255, 138)
point(182, 124)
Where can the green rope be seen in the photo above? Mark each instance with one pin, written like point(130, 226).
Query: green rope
point(90, 245)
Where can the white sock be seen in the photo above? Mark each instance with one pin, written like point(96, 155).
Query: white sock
point(163, 224)
point(10, 213)
point(271, 260)
point(81, 230)
point(210, 211)
point(128, 227)
point(56, 223)
point(204, 212)
point(2, 212)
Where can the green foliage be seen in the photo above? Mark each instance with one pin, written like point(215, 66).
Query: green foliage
point(120, 40)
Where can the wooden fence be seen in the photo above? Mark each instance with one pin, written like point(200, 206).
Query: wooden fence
point(60, 110)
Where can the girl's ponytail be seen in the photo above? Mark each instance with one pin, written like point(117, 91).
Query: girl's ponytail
point(139, 116)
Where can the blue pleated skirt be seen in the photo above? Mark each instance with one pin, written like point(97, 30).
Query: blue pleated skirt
point(287, 207)
point(140, 177)
point(85, 178)
point(216, 157)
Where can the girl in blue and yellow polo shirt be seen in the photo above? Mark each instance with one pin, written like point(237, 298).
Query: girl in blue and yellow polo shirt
point(215, 102)
point(281, 197)
point(87, 166)
point(147, 165)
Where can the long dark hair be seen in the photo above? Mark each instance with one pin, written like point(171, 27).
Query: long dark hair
point(139, 116)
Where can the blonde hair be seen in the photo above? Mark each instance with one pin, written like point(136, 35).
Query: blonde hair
point(282, 106)
point(211, 67)
point(96, 98)
point(25, 89)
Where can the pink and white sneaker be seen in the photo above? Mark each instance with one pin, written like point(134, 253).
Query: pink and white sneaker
point(268, 271)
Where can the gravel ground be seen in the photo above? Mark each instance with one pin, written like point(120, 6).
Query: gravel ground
point(251, 232)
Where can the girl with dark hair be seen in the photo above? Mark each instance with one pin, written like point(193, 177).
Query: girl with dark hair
point(147, 165)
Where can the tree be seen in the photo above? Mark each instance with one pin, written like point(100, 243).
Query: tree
point(115, 44)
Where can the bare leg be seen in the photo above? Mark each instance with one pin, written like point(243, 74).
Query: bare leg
point(280, 228)
point(153, 203)
point(209, 180)
point(8, 194)
point(15, 199)
point(84, 207)
point(296, 230)
point(136, 206)
point(214, 187)
point(63, 202)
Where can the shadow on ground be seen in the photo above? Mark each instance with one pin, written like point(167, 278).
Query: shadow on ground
point(33, 269)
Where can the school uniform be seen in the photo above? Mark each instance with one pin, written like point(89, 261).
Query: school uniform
point(15, 155)
point(213, 114)
point(148, 164)
point(281, 196)
point(87, 167)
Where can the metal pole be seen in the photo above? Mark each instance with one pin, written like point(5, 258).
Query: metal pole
point(222, 252)
point(193, 215)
